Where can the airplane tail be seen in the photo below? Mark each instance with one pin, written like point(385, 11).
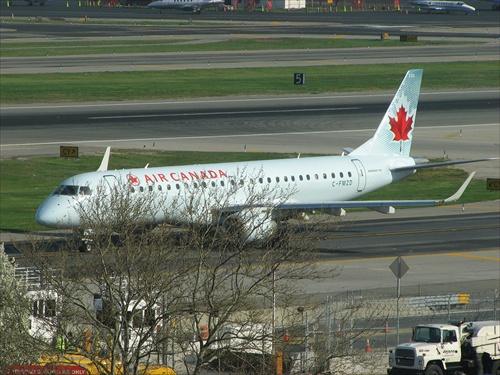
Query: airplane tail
point(394, 134)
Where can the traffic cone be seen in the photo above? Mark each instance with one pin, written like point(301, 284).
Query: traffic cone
point(368, 349)
point(386, 328)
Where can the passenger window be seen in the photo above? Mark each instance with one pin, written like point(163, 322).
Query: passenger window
point(261, 180)
point(293, 178)
point(150, 188)
point(269, 179)
point(285, 179)
point(177, 186)
point(341, 175)
point(213, 183)
point(308, 177)
point(333, 175)
point(169, 187)
point(277, 179)
point(349, 174)
point(301, 178)
point(132, 190)
point(204, 184)
point(324, 176)
point(141, 189)
point(159, 187)
point(221, 182)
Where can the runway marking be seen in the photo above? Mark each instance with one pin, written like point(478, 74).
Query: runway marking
point(223, 113)
point(156, 139)
point(410, 256)
point(474, 257)
point(384, 234)
point(225, 100)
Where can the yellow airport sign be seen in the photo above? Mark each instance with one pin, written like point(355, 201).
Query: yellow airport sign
point(68, 151)
point(493, 183)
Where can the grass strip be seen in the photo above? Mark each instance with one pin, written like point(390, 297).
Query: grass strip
point(149, 85)
point(50, 48)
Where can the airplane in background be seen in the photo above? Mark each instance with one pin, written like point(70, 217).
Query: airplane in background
point(194, 6)
point(329, 183)
point(444, 6)
point(495, 5)
point(41, 2)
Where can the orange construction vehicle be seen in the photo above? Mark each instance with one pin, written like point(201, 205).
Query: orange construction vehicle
point(76, 364)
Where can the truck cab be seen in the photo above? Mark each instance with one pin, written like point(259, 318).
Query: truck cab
point(437, 349)
point(432, 346)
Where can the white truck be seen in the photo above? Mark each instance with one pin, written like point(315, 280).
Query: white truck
point(471, 348)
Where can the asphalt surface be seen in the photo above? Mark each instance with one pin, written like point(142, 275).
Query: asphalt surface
point(456, 124)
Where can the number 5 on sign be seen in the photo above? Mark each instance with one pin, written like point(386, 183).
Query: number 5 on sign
point(299, 78)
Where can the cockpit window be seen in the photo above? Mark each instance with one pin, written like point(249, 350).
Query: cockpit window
point(84, 190)
point(66, 190)
point(72, 190)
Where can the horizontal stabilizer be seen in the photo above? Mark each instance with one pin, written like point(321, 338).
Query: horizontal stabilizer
point(441, 164)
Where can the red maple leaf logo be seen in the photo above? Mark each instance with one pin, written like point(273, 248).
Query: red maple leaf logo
point(134, 180)
point(401, 125)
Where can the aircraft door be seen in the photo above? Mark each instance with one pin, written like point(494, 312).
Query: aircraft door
point(111, 184)
point(360, 169)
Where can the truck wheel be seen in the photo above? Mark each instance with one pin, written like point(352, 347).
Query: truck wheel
point(495, 369)
point(433, 370)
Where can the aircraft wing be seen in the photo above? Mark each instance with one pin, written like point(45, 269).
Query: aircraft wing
point(384, 206)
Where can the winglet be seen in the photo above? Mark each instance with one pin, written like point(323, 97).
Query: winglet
point(460, 191)
point(105, 160)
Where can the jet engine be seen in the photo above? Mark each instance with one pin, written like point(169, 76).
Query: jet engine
point(252, 224)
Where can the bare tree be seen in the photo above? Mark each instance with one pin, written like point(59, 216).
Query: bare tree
point(17, 345)
point(202, 291)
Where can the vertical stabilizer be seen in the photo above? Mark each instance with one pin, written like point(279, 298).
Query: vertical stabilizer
point(395, 132)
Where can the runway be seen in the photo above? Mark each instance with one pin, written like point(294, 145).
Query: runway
point(246, 59)
point(453, 123)
point(457, 124)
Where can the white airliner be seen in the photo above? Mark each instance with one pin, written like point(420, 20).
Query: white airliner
point(444, 6)
point(328, 182)
point(194, 6)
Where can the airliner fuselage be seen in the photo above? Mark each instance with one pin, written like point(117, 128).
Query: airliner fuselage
point(312, 182)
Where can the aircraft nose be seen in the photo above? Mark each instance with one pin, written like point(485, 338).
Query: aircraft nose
point(54, 213)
